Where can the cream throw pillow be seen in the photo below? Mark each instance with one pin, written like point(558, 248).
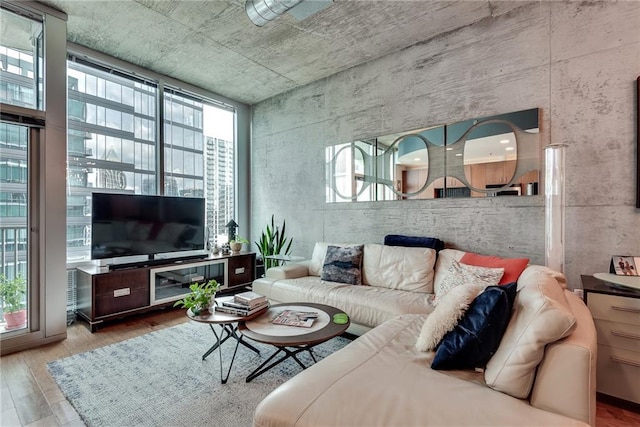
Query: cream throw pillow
point(398, 267)
point(541, 315)
point(446, 315)
point(462, 274)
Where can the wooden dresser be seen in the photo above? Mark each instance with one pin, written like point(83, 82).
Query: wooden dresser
point(616, 314)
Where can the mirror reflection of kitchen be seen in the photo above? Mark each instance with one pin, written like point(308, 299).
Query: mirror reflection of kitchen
point(492, 156)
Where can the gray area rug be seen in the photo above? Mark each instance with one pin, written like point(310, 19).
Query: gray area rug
point(160, 379)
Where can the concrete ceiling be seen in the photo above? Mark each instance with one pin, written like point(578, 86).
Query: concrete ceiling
point(214, 45)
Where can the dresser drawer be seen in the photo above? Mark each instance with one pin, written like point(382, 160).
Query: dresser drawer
point(618, 373)
point(119, 283)
point(241, 270)
point(614, 308)
point(618, 335)
point(121, 300)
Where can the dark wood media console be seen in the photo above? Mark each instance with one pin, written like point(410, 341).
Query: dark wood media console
point(105, 294)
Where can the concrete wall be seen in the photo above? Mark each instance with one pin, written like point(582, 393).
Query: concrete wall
point(576, 61)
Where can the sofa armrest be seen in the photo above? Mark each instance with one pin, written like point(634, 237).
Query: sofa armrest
point(566, 378)
point(288, 271)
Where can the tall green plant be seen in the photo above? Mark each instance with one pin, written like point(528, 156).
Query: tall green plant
point(273, 241)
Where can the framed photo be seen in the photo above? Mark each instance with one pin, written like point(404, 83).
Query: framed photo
point(625, 265)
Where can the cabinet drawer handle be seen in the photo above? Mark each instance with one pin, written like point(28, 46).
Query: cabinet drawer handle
point(628, 309)
point(625, 361)
point(240, 270)
point(625, 335)
point(121, 292)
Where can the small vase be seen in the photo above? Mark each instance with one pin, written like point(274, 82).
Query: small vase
point(235, 246)
point(212, 304)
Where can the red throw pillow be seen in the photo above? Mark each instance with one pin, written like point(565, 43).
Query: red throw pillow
point(513, 267)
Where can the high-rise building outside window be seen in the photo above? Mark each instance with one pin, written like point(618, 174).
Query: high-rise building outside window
point(113, 145)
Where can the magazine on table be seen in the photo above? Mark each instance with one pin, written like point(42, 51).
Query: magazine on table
point(295, 318)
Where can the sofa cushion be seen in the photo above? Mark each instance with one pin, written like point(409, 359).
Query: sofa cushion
point(513, 267)
point(343, 265)
point(367, 306)
point(462, 274)
point(446, 315)
point(395, 267)
point(540, 316)
point(413, 241)
point(477, 335)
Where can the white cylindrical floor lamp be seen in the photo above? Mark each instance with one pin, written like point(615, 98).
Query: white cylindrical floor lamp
point(554, 205)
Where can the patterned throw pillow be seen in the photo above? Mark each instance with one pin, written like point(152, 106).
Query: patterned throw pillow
point(462, 274)
point(342, 265)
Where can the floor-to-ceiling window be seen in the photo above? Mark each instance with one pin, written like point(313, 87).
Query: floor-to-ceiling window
point(20, 86)
point(200, 156)
point(114, 142)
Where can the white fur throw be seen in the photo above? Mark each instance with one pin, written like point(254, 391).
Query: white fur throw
point(446, 315)
point(462, 274)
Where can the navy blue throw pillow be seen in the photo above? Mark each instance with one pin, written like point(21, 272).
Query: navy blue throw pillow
point(413, 241)
point(477, 335)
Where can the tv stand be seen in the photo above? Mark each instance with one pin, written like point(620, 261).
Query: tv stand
point(106, 294)
point(155, 261)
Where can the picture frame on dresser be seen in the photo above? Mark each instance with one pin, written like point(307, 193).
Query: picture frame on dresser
point(624, 265)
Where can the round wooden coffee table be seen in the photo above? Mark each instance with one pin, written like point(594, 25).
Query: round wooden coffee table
point(228, 324)
point(291, 340)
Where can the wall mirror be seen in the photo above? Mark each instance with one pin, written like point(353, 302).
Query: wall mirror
point(484, 157)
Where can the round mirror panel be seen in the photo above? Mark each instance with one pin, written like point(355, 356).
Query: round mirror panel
point(349, 171)
point(409, 165)
point(490, 156)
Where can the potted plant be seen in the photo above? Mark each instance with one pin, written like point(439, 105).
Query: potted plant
point(201, 298)
point(13, 294)
point(273, 242)
point(236, 244)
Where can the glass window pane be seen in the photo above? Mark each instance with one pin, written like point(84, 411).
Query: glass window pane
point(105, 148)
point(13, 222)
point(21, 44)
point(207, 133)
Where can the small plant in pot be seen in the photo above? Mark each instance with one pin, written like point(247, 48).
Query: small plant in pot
point(236, 244)
point(201, 298)
point(13, 294)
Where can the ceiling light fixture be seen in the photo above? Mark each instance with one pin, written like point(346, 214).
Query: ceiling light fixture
point(417, 159)
point(504, 141)
point(508, 148)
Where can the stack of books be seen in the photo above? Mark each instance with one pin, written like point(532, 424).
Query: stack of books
point(243, 304)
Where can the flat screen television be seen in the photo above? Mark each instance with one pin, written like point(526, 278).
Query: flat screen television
point(131, 224)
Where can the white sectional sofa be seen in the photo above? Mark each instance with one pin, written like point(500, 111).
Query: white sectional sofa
point(398, 281)
point(542, 374)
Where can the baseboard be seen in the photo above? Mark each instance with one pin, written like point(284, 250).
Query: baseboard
point(620, 403)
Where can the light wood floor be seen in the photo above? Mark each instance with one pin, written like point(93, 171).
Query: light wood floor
point(30, 397)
